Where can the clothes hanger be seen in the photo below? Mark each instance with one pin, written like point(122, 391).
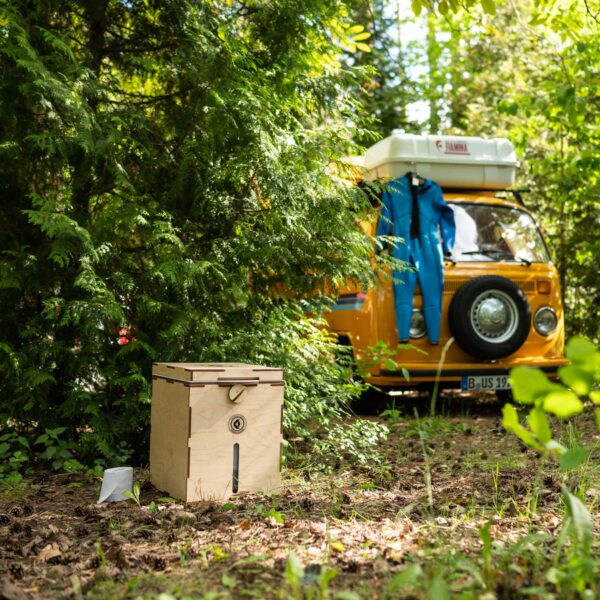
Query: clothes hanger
point(415, 178)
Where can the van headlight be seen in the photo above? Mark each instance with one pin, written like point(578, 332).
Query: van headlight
point(545, 320)
point(417, 324)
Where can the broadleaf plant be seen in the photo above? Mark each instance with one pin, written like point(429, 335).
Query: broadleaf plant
point(575, 568)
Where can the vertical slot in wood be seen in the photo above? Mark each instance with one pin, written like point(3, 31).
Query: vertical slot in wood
point(236, 468)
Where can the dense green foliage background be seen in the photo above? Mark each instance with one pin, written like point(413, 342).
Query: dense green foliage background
point(166, 172)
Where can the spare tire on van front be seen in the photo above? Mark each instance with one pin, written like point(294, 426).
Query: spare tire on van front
point(489, 317)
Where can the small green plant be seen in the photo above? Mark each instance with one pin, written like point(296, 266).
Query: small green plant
point(575, 566)
point(272, 512)
point(486, 551)
point(392, 414)
point(414, 578)
point(495, 486)
point(134, 494)
point(100, 554)
point(356, 442)
point(57, 450)
point(308, 583)
point(184, 552)
point(499, 562)
point(430, 428)
point(531, 387)
point(168, 500)
point(276, 516)
point(14, 454)
point(436, 385)
point(381, 354)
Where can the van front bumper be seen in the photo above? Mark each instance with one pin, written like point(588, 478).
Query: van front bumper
point(454, 372)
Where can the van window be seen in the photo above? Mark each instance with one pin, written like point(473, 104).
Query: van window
point(488, 232)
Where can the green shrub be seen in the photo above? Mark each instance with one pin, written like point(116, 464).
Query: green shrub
point(155, 202)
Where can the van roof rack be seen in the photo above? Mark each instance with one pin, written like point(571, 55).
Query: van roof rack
point(515, 192)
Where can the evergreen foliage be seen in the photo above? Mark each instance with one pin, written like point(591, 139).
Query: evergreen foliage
point(166, 181)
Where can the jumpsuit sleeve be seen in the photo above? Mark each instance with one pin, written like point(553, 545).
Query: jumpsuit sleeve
point(447, 225)
point(384, 224)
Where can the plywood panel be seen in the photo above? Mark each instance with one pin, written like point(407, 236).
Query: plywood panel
point(259, 466)
point(211, 471)
point(212, 441)
point(169, 432)
point(215, 372)
point(211, 407)
point(211, 467)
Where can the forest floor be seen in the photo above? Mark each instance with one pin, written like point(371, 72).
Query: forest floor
point(459, 508)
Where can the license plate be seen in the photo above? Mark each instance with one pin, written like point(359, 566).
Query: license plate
point(476, 383)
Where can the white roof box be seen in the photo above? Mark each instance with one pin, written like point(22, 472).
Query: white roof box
point(451, 161)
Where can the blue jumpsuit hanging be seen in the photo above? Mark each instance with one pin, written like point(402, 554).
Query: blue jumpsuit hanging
point(422, 217)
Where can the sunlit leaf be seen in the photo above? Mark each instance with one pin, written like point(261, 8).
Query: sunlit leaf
point(390, 364)
point(579, 349)
point(417, 6)
point(577, 379)
point(562, 403)
point(538, 423)
point(529, 385)
point(510, 421)
point(489, 6)
point(355, 29)
point(556, 447)
point(584, 354)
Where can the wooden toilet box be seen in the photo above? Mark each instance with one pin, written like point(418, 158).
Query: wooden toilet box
point(216, 429)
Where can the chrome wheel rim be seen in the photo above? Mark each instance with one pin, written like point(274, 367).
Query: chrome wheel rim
point(494, 316)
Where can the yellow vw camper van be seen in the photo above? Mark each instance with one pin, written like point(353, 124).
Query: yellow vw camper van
point(501, 301)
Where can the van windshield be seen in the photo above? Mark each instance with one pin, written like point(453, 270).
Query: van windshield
point(488, 232)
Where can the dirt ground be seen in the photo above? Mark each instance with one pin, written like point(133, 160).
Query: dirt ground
point(442, 480)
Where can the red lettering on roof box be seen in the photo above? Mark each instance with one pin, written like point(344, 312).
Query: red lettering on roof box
point(456, 148)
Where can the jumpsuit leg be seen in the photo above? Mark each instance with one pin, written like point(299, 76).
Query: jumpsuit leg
point(404, 290)
point(431, 280)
